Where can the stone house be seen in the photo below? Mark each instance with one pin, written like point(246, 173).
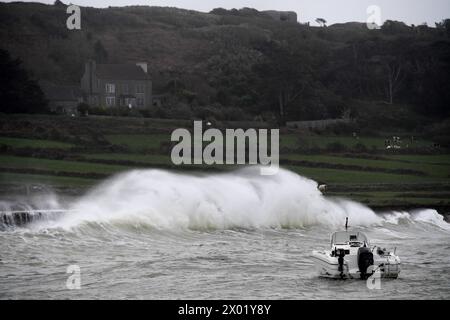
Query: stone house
point(117, 85)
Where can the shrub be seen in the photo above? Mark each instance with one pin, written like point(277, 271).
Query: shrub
point(336, 147)
point(179, 111)
point(158, 112)
point(83, 109)
point(205, 112)
point(98, 111)
point(359, 147)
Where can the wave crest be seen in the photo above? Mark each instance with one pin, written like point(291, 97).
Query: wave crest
point(240, 199)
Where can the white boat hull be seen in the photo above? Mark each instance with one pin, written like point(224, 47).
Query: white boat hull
point(387, 266)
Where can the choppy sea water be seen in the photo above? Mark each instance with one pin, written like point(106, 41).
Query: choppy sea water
point(158, 235)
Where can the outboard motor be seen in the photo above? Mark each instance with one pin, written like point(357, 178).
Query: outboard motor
point(365, 259)
point(340, 253)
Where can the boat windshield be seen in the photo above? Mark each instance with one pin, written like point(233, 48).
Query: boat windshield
point(348, 237)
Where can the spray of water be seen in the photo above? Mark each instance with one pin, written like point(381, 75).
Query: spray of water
point(241, 199)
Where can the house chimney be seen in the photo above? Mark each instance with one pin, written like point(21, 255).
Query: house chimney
point(143, 65)
point(90, 66)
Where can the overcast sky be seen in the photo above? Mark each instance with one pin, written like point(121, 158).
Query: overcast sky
point(409, 11)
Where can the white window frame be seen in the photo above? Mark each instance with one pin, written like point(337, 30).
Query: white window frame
point(139, 87)
point(110, 101)
point(110, 88)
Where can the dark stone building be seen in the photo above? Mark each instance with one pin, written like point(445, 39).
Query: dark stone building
point(117, 85)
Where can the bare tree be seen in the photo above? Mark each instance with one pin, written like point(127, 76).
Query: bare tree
point(288, 93)
point(322, 22)
point(395, 76)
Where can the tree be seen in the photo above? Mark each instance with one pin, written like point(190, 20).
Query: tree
point(101, 55)
point(394, 27)
point(322, 22)
point(19, 93)
point(430, 85)
point(284, 76)
point(394, 71)
point(219, 11)
point(444, 25)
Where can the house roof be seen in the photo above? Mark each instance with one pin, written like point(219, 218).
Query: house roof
point(54, 92)
point(120, 72)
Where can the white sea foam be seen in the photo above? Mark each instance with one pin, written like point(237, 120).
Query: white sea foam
point(430, 216)
point(241, 199)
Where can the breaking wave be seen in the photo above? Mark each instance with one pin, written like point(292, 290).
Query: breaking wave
point(242, 199)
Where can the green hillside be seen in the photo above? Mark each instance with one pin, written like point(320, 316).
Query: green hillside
point(242, 64)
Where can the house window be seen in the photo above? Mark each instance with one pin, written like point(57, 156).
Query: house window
point(140, 88)
point(110, 101)
point(140, 101)
point(125, 88)
point(110, 88)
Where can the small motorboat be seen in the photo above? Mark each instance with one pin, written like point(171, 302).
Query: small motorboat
point(351, 256)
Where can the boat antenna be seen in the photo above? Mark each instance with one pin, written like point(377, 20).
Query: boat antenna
point(346, 223)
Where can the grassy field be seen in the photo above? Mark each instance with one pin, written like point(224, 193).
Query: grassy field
point(433, 169)
point(34, 143)
point(433, 159)
point(323, 141)
point(322, 174)
point(142, 142)
point(21, 178)
point(140, 158)
point(331, 176)
point(397, 178)
point(58, 165)
point(138, 142)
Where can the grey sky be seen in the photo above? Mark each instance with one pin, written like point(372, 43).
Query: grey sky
point(409, 11)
